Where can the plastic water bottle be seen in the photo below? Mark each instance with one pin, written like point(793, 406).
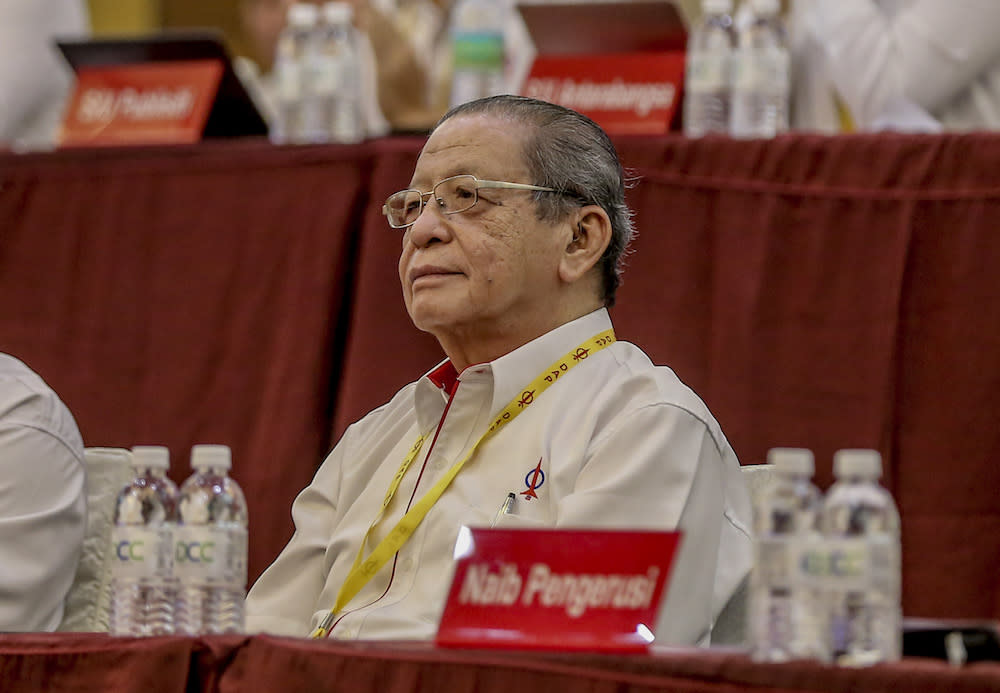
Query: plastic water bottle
point(143, 587)
point(708, 70)
point(210, 556)
point(289, 73)
point(761, 74)
point(861, 525)
point(786, 611)
point(477, 39)
point(332, 109)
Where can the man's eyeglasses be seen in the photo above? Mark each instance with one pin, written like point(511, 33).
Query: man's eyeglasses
point(452, 195)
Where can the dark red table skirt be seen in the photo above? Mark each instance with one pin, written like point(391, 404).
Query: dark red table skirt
point(236, 664)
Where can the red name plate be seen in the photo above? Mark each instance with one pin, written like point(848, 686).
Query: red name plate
point(556, 589)
point(625, 93)
point(156, 103)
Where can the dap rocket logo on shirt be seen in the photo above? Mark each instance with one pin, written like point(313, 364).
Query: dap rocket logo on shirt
point(534, 480)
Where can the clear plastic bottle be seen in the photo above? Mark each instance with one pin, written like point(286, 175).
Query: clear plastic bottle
point(861, 525)
point(708, 70)
point(785, 611)
point(478, 55)
point(761, 77)
point(289, 73)
point(210, 556)
point(143, 587)
point(332, 109)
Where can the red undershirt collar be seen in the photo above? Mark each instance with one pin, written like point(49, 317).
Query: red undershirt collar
point(445, 377)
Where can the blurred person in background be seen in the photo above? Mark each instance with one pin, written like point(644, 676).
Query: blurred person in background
point(408, 49)
point(262, 22)
point(35, 80)
point(393, 80)
point(916, 65)
point(43, 503)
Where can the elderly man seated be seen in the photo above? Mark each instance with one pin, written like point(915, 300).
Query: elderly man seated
point(513, 230)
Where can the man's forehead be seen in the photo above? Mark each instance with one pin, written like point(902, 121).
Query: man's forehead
point(483, 148)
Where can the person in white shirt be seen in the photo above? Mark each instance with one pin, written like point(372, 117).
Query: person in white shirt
point(912, 65)
point(42, 500)
point(513, 234)
point(35, 80)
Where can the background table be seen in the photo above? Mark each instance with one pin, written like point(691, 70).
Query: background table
point(818, 292)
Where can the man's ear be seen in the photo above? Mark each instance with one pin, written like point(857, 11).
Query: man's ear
point(590, 238)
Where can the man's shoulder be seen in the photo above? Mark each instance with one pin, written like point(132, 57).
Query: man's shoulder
point(398, 412)
point(634, 377)
point(25, 397)
point(630, 382)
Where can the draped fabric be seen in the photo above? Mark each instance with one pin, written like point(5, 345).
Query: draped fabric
point(234, 664)
point(186, 296)
point(818, 292)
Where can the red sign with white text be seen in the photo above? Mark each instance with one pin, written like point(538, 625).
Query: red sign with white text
point(557, 589)
point(625, 93)
point(154, 103)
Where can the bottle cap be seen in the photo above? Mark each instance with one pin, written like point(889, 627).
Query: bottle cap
point(857, 462)
point(302, 14)
point(716, 6)
point(338, 13)
point(151, 456)
point(765, 7)
point(791, 460)
point(207, 456)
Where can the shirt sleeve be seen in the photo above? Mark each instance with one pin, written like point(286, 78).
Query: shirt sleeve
point(42, 523)
point(660, 468)
point(283, 599)
point(928, 52)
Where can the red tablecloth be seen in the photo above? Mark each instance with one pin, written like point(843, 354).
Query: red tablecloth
point(237, 664)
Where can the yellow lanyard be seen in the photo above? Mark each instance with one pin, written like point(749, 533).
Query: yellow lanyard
point(363, 570)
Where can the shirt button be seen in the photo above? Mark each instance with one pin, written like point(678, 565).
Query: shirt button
point(407, 565)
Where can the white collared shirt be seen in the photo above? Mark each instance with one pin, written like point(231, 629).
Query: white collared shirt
point(42, 500)
point(621, 444)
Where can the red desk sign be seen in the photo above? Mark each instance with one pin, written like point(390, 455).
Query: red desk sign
point(154, 103)
point(624, 93)
point(620, 63)
point(556, 589)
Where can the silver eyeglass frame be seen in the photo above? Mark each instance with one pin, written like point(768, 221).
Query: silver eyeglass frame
point(479, 185)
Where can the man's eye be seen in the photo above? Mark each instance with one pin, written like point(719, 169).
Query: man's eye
point(464, 193)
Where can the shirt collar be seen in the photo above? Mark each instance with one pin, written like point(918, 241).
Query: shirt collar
point(511, 372)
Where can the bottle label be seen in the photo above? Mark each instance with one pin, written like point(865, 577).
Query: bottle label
point(288, 76)
point(328, 73)
point(211, 555)
point(707, 72)
point(478, 51)
point(761, 70)
point(141, 552)
point(843, 564)
point(774, 561)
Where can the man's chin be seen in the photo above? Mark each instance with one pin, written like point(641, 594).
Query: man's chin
point(437, 317)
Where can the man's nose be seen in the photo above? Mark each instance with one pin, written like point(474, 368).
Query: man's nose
point(430, 226)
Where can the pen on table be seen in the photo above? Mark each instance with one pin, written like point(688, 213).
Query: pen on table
point(504, 508)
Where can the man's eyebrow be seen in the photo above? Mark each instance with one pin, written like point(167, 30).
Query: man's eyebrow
point(421, 183)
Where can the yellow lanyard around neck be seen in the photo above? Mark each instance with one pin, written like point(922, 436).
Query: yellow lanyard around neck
point(363, 570)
